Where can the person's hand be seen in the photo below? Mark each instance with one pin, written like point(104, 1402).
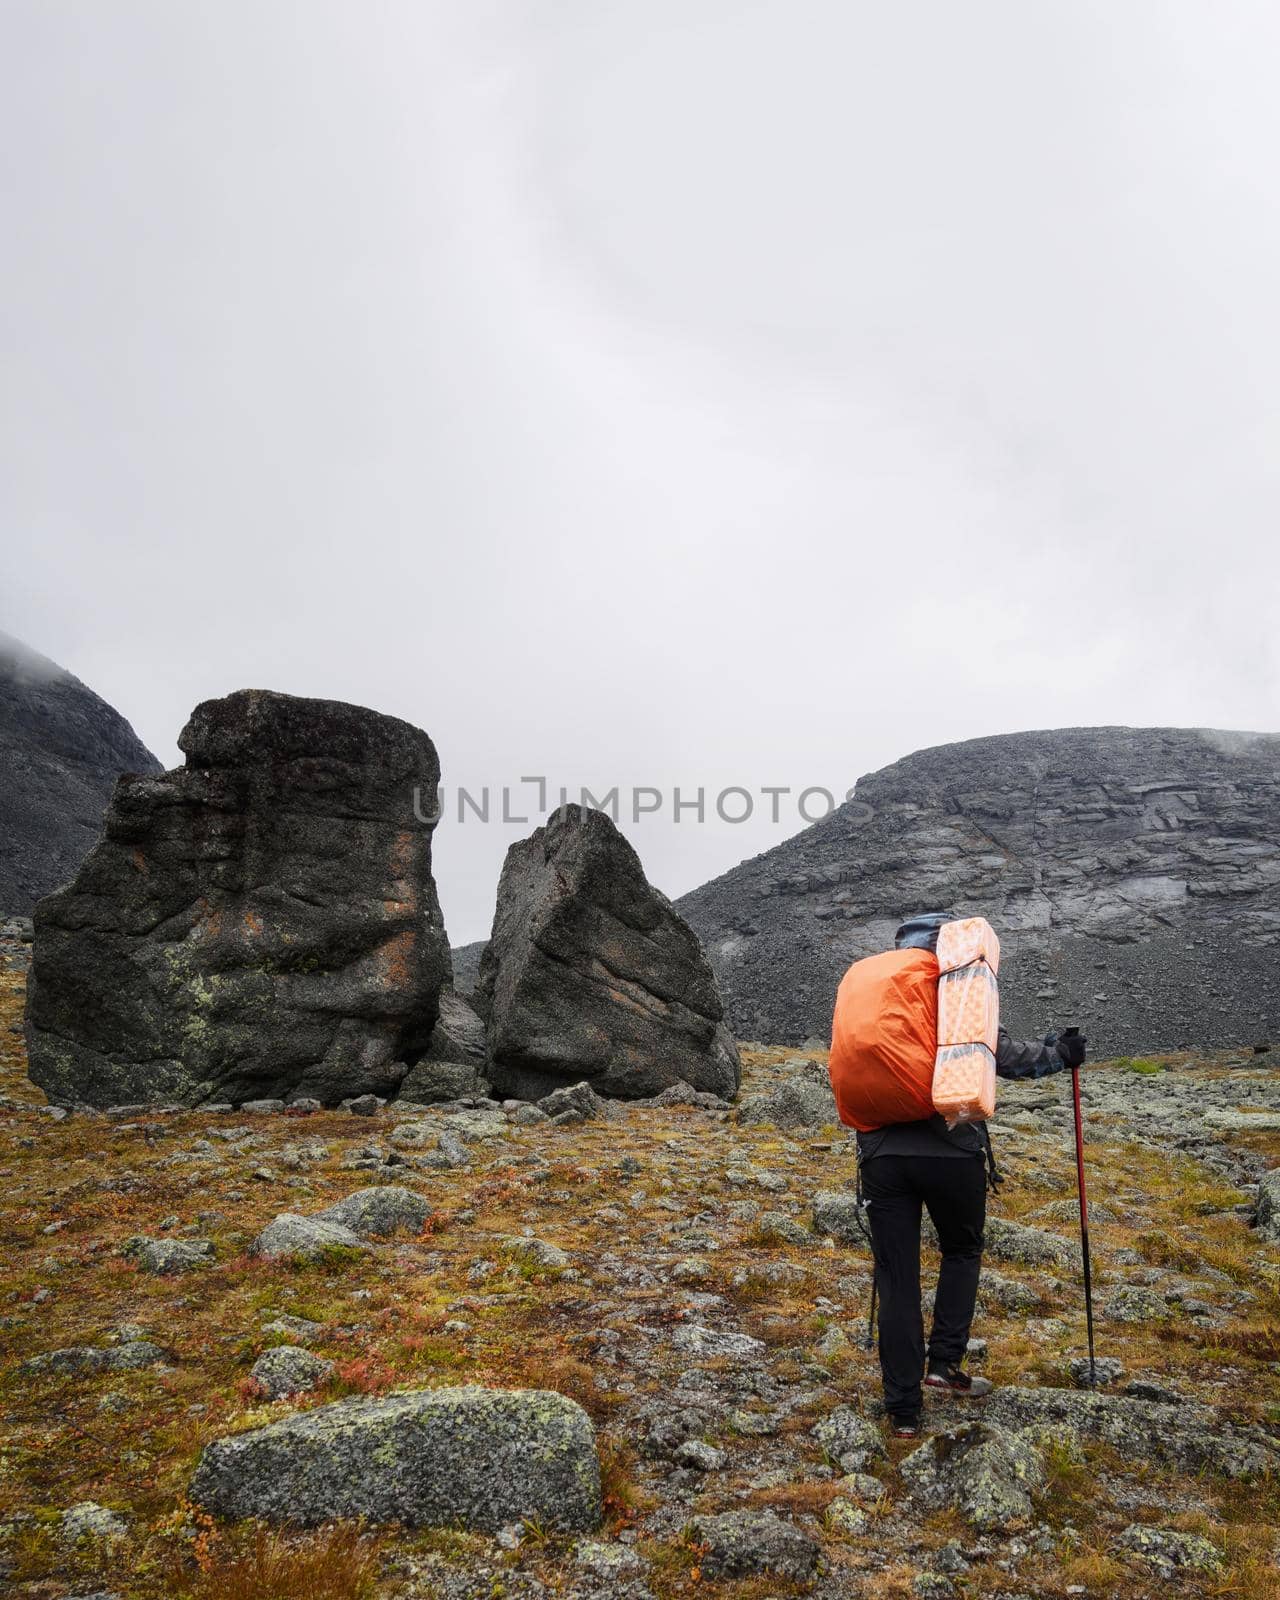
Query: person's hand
point(1071, 1047)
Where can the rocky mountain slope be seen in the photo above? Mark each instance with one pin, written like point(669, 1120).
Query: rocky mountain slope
point(1133, 875)
point(61, 750)
point(617, 1354)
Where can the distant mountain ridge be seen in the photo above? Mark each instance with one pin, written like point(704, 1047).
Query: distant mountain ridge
point(62, 747)
point(1133, 875)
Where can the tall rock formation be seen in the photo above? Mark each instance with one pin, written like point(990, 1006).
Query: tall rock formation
point(261, 922)
point(61, 750)
point(590, 973)
point(1133, 875)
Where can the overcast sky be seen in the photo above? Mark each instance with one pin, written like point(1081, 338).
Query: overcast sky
point(646, 391)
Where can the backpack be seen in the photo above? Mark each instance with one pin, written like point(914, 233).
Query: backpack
point(914, 1031)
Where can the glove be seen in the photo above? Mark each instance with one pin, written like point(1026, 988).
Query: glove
point(1071, 1047)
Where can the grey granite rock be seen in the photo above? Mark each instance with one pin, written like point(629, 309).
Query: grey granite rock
point(987, 1473)
point(744, 1544)
point(291, 1237)
point(168, 1257)
point(285, 1370)
point(1189, 1436)
point(471, 1458)
point(378, 1212)
point(131, 1355)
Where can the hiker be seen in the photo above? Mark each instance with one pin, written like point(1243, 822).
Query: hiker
point(909, 1163)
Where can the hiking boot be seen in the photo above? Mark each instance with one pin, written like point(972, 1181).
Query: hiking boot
point(956, 1380)
point(906, 1426)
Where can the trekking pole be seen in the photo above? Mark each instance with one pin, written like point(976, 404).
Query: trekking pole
point(1084, 1225)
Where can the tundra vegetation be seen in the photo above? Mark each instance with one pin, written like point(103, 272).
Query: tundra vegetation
point(691, 1278)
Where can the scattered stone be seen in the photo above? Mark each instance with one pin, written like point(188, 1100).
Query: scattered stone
point(777, 1227)
point(129, 1356)
point(474, 1458)
point(608, 1562)
point(850, 1439)
point(743, 1544)
point(168, 1256)
point(1106, 1371)
point(89, 1520)
point(704, 1457)
point(693, 1269)
point(846, 1520)
point(539, 1253)
point(575, 1102)
point(1133, 1303)
point(364, 1105)
point(299, 1329)
point(836, 1214)
point(286, 1370)
point(1188, 1435)
point(590, 973)
point(379, 1212)
point(1167, 1552)
point(696, 1340)
point(304, 1239)
point(1033, 1247)
point(262, 1107)
point(796, 1103)
point(1267, 1216)
point(987, 1473)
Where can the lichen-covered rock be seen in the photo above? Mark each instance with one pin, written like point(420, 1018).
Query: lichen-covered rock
point(836, 1214)
point(536, 1254)
point(286, 1370)
point(850, 1439)
point(261, 923)
point(1268, 1212)
point(799, 1102)
point(472, 1458)
point(130, 1355)
point(1167, 1552)
point(987, 1473)
point(378, 1212)
point(90, 1521)
point(744, 1544)
point(1033, 1247)
point(693, 1339)
point(1133, 1302)
point(590, 974)
point(295, 1238)
point(168, 1257)
point(572, 1102)
point(1190, 1436)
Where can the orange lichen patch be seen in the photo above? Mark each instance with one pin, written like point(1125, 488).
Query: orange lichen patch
point(395, 960)
point(140, 863)
point(251, 921)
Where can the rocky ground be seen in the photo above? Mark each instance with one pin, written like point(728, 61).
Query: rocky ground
point(691, 1276)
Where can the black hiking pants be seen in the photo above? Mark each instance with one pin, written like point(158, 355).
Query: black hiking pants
point(954, 1189)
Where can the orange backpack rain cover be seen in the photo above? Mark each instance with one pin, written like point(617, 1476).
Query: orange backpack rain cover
point(883, 1039)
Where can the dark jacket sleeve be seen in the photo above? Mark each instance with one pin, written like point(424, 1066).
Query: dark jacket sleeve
point(1037, 1058)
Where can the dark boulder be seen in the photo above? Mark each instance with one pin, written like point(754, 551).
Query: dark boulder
point(259, 923)
point(591, 974)
point(454, 1063)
